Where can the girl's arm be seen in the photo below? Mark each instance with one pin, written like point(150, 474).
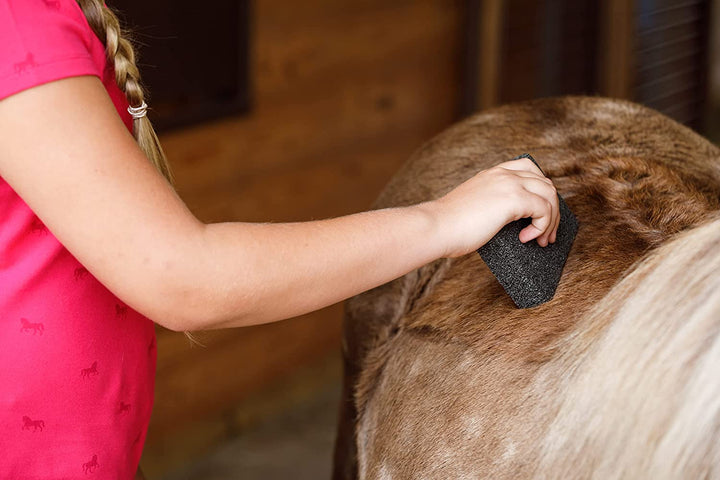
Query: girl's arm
point(66, 152)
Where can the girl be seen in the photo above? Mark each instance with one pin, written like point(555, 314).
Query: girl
point(95, 245)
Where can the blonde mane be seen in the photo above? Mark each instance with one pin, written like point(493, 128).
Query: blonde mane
point(639, 382)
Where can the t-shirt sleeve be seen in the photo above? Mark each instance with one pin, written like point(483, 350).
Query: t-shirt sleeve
point(42, 41)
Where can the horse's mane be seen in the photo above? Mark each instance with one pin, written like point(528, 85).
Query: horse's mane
point(637, 384)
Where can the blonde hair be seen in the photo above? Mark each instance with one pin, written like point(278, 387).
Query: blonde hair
point(641, 396)
point(121, 57)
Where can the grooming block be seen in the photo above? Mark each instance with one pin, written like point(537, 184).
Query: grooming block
point(528, 272)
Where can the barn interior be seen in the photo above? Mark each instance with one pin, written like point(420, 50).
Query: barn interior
point(284, 111)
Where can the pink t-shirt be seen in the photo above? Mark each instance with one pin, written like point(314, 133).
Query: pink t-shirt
point(77, 366)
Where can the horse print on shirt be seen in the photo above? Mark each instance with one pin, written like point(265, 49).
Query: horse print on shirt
point(123, 409)
point(28, 326)
point(38, 227)
point(25, 65)
point(29, 423)
point(89, 372)
point(52, 4)
point(121, 310)
point(89, 467)
point(80, 273)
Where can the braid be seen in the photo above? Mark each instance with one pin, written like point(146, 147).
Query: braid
point(121, 57)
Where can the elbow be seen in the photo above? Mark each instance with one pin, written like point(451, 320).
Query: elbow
point(169, 317)
point(192, 308)
point(171, 307)
point(178, 314)
point(187, 296)
point(175, 322)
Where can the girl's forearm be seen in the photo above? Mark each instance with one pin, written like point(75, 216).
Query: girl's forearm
point(255, 273)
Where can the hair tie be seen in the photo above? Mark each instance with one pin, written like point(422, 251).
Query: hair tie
point(138, 112)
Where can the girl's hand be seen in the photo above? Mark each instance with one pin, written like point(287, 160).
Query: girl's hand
point(477, 209)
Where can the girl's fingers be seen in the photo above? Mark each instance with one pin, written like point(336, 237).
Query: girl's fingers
point(531, 175)
point(542, 218)
point(546, 212)
point(556, 218)
point(522, 164)
point(546, 209)
point(556, 212)
point(553, 236)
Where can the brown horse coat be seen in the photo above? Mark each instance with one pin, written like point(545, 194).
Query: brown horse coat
point(444, 377)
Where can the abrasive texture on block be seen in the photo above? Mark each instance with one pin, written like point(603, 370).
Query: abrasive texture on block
point(528, 272)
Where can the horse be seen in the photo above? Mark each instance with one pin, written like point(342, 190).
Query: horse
point(89, 467)
point(90, 371)
point(29, 423)
point(123, 408)
point(34, 327)
point(615, 377)
point(25, 65)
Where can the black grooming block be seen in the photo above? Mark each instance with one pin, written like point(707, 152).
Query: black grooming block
point(528, 272)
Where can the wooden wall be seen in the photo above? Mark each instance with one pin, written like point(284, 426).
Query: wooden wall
point(343, 92)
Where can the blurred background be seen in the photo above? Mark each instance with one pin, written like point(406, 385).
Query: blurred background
point(285, 110)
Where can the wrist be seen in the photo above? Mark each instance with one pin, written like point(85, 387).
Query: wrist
point(434, 237)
